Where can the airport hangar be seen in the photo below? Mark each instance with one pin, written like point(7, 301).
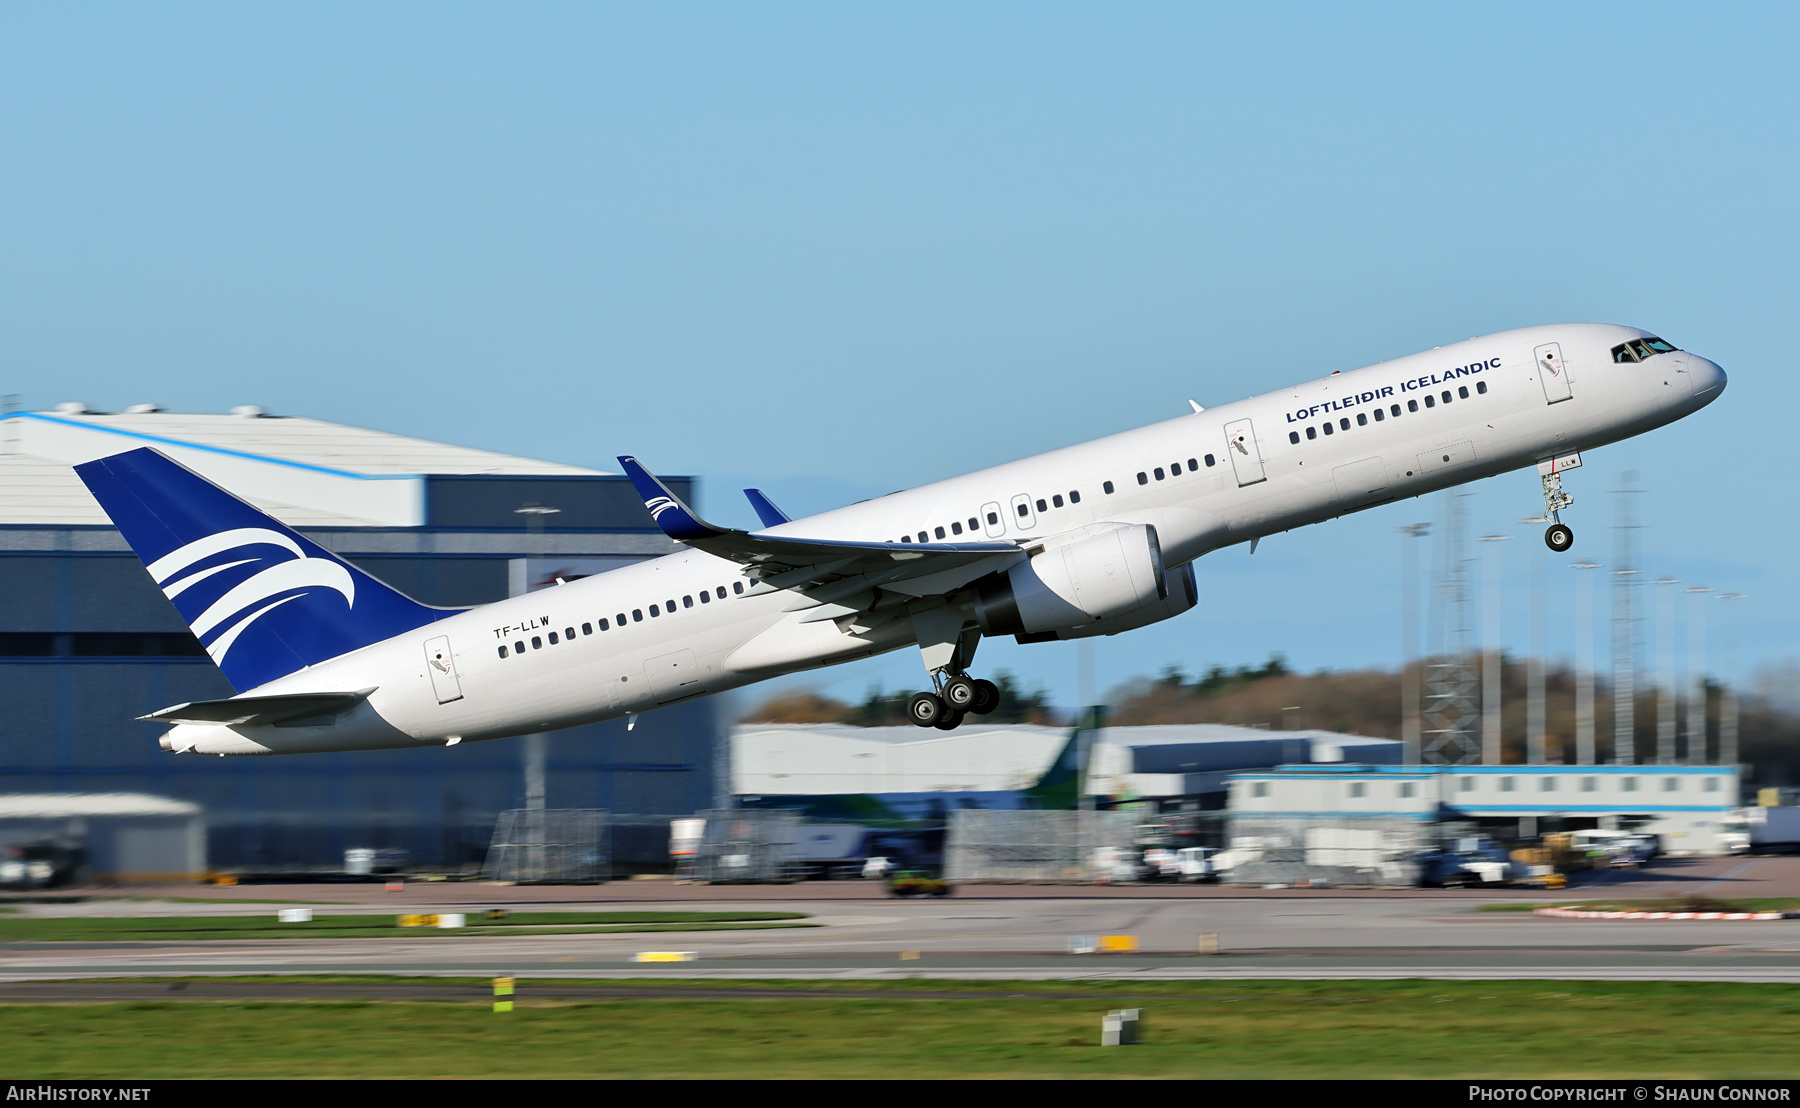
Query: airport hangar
point(88, 643)
point(1169, 768)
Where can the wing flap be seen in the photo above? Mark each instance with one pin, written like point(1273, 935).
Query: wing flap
point(786, 563)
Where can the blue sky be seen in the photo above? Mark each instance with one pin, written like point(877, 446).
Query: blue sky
point(835, 250)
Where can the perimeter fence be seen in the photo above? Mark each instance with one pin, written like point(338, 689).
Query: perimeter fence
point(1073, 847)
point(743, 845)
point(566, 846)
point(1328, 850)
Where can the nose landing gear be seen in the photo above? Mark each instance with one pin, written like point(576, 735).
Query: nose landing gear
point(1558, 536)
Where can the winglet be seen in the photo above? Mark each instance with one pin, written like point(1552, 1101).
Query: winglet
point(677, 520)
point(766, 510)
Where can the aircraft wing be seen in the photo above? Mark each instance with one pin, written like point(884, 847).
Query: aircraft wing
point(914, 568)
point(261, 709)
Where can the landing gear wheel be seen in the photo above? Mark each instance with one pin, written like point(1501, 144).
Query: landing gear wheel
point(960, 694)
point(926, 710)
point(950, 722)
point(987, 697)
point(1559, 538)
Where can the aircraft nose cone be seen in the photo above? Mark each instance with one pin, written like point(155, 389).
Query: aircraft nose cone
point(1709, 378)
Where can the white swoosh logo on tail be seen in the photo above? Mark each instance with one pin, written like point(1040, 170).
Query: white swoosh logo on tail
point(171, 573)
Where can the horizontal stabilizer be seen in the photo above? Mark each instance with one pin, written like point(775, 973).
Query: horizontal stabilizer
point(261, 709)
point(766, 510)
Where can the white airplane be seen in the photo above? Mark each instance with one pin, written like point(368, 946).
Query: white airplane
point(1092, 539)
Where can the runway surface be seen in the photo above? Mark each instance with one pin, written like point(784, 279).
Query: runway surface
point(989, 933)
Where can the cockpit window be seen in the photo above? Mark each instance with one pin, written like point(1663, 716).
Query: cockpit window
point(1638, 350)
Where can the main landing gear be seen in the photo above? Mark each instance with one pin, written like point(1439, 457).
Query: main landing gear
point(1558, 537)
point(960, 696)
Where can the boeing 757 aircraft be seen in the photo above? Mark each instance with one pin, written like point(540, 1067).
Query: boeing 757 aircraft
point(1092, 539)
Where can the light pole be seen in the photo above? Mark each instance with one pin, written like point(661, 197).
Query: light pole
point(1584, 666)
point(1696, 701)
point(1665, 683)
point(1728, 701)
point(1490, 659)
point(533, 748)
point(1410, 673)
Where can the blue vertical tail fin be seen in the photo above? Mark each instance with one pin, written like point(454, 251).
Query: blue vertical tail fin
point(264, 600)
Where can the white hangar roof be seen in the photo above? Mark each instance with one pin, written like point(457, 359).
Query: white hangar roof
point(304, 472)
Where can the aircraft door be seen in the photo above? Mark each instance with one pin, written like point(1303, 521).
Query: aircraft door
point(993, 520)
point(441, 664)
point(1552, 373)
point(1023, 518)
point(1246, 456)
point(674, 676)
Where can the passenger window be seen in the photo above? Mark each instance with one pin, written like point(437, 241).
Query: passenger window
point(1175, 468)
point(1143, 478)
point(637, 615)
point(736, 587)
point(568, 632)
point(518, 648)
point(1481, 387)
point(537, 643)
point(1159, 473)
point(553, 638)
point(922, 537)
point(1380, 415)
point(1446, 396)
point(1042, 507)
point(1328, 429)
point(1411, 406)
point(974, 525)
point(1362, 419)
point(906, 538)
point(1056, 501)
point(503, 650)
point(1209, 459)
point(1074, 496)
point(1105, 486)
point(1024, 510)
point(1344, 423)
point(621, 621)
point(1311, 433)
point(705, 597)
point(993, 517)
point(670, 605)
point(587, 628)
point(956, 528)
point(654, 611)
point(1293, 436)
point(1462, 391)
point(605, 626)
point(687, 602)
point(1191, 466)
point(939, 532)
point(1430, 402)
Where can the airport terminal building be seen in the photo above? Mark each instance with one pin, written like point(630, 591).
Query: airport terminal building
point(88, 643)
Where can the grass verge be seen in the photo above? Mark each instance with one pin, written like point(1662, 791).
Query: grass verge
point(1324, 1029)
point(204, 928)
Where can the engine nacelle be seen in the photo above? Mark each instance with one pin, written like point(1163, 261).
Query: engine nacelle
point(1100, 577)
point(1183, 594)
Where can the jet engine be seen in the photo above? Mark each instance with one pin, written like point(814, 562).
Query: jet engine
point(1100, 579)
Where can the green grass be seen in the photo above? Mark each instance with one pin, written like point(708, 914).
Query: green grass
point(203, 928)
point(1321, 1029)
point(1672, 904)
